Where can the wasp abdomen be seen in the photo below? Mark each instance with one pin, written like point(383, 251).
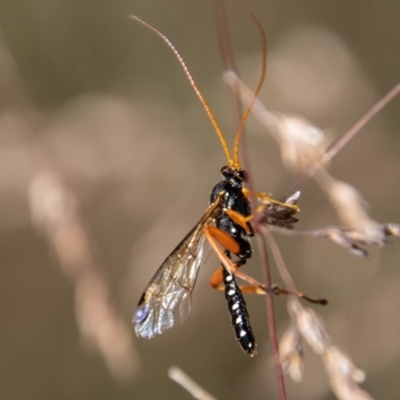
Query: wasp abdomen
point(240, 317)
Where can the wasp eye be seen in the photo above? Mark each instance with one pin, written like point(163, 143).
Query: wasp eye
point(224, 170)
point(227, 172)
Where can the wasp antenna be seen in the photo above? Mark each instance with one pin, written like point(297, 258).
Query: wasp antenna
point(256, 91)
point(194, 85)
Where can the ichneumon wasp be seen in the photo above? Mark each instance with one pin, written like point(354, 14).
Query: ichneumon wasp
point(226, 225)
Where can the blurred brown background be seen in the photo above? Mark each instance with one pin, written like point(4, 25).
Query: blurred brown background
point(127, 134)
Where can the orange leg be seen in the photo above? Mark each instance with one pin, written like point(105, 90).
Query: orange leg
point(215, 238)
point(266, 198)
point(216, 281)
point(240, 220)
point(228, 242)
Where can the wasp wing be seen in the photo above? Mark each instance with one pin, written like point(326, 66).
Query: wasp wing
point(167, 298)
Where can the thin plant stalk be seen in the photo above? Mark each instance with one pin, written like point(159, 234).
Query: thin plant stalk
point(263, 251)
point(229, 64)
point(342, 142)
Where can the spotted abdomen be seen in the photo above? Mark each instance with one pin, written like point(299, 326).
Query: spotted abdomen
point(240, 317)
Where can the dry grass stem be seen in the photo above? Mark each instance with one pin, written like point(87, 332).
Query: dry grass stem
point(303, 149)
point(280, 264)
point(307, 325)
point(342, 142)
point(291, 350)
point(344, 376)
point(262, 246)
point(352, 210)
point(310, 325)
point(54, 212)
point(189, 384)
point(358, 229)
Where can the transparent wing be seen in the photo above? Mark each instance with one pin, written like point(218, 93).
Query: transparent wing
point(167, 299)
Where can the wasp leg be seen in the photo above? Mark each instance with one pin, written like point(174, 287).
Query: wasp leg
point(255, 287)
point(217, 280)
point(244, 221)
point(241, 221)
point(216, 237)
point(225, 240)
point(267, 199)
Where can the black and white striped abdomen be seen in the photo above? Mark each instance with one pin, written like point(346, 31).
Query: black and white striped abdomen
point(240, 317)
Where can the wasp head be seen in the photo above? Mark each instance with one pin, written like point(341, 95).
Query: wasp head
point(237, 177)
